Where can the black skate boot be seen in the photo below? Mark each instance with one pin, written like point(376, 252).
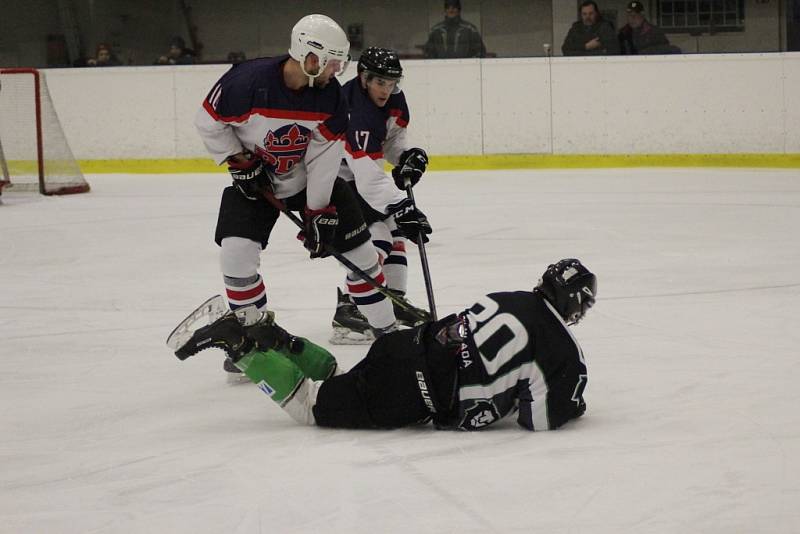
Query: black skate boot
point(350, 327)
point(226, 333)
point(378, 332)
point(407, 317)
point(268, 335)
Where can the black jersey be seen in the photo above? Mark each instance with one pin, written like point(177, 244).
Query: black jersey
point(519, 356)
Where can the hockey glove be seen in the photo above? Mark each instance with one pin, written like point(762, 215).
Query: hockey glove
point(320, 229)
point(249, 177)
point(410, 221)
point(411, 165)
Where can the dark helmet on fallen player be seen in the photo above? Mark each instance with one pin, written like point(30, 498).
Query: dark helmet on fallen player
point(381, 62)
point(570, 288)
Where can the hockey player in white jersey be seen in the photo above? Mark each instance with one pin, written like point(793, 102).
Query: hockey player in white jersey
point(509, 353)
point(279, 124)
point(379, 118)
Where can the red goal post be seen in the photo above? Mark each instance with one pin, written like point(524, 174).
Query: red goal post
point(34, 153)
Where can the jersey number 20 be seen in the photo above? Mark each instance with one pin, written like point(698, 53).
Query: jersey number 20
point(489, 323)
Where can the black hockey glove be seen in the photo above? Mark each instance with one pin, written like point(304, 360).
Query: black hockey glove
point(411, 165)
point(320, 229)
point(249, 177)
point(410, 221)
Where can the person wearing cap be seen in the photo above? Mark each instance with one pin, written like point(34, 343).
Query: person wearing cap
point(590, 36)
point(639, 36)
point(454, 37)
point(178, 54)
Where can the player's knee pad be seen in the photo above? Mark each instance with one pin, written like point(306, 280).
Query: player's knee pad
point(240, 257)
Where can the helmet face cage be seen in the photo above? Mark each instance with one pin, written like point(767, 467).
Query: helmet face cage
point(570, 288)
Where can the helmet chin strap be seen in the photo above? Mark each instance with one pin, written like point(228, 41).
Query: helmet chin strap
point(312, 77)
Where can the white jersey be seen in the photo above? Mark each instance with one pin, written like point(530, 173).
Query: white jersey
point(299, 135)
point(375, 135)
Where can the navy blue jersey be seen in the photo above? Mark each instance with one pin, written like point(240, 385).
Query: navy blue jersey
point(519, 356)
point(299, 135)
point(374, 135)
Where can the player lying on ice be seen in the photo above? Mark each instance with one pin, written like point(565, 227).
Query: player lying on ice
point(510, 352)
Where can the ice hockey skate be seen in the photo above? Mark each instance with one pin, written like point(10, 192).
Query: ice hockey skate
point(250, 339)
point(211, 326)
point(350, 327)
point(411, 316)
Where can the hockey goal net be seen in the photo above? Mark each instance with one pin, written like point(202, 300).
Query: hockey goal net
point(34, 154)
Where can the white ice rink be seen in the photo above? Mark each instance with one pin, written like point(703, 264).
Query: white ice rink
point(693, 419)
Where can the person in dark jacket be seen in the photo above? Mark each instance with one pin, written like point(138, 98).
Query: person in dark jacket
point(104, 58)
point(454, 37)
point(590, 36)
point(639, 36)
point(178, 54)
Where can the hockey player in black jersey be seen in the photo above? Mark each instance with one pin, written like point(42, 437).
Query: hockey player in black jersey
point(376, 134)
point(511, 352)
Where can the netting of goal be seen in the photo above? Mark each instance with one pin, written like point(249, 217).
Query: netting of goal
point(34, 153)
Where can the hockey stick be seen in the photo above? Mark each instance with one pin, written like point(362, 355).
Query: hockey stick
point(401, 302)
point(423, 256)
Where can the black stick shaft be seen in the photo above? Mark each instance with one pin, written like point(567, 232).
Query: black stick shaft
point(280, 206)
point(426, 272)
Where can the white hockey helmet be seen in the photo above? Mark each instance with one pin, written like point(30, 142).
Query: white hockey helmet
point(324, 38)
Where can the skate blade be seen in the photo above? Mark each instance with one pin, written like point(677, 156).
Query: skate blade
point(345, 336)
point(208, 312)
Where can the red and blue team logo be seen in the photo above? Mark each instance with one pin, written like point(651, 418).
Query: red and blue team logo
point(284, 147)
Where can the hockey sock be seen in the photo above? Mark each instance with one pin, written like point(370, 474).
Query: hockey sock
point(370, 302)
point(315, 362)
point(381, 239)
point(373, 304)
point(395, 267)
point(273, 373)
point(246, 291)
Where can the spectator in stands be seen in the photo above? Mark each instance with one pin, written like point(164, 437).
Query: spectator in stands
point(592, 35)
point(178, 53)
point(103, 58)
point(454, 37)
point(639, 36)
point(236, 57)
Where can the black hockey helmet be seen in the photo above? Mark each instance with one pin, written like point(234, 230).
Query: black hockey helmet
point(570, 288)
point(382, 62)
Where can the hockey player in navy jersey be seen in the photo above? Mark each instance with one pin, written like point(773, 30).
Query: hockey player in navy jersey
point(509, 353)
point(376, 133)
point(279, 124)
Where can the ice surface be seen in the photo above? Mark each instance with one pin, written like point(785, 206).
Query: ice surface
point(692, 422)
